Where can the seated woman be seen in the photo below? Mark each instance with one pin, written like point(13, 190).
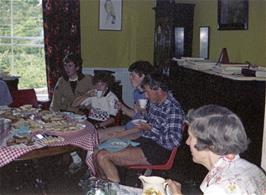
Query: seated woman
point(100, 102)
point(70, 86)
point(5, 96)
point(216, 138)
point(138, 71)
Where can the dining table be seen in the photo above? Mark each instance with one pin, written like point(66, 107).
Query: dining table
point(85, 137)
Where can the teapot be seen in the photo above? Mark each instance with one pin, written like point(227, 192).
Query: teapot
point(154, 185)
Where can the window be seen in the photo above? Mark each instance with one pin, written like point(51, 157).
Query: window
point(21, 42)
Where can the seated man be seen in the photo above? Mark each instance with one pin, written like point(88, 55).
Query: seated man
point(5, 97)
point(160, 134)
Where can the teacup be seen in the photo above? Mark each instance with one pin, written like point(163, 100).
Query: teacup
point(142, 103)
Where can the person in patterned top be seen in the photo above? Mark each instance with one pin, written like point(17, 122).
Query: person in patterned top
point(100, 102)
point(159, 134)
point(216, 138)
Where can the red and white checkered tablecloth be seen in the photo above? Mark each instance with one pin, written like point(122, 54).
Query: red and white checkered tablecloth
point(86, 139)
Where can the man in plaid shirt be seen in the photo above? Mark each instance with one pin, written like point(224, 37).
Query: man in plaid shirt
point(161, 132)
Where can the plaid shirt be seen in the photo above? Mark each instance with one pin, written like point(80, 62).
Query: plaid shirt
point(166, 120)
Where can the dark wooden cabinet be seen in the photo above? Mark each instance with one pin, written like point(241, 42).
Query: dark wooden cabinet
point(173, 30)
point(193, 89)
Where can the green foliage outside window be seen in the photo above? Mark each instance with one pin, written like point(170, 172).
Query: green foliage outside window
point(21, 42)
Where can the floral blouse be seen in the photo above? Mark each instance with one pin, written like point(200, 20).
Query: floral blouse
point(234, 176)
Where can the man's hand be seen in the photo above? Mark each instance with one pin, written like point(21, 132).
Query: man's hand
point(143, 126)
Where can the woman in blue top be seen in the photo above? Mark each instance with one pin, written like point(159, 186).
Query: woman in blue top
point(138, 71)
point(5, 96)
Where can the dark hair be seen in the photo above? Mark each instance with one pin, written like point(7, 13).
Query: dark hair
point(141, 67)
point(104, 77)
point(156, 80)
point(217, 129)
point(76, 59)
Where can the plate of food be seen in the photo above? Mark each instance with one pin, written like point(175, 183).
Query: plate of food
point(137, 121)
point(118, 144)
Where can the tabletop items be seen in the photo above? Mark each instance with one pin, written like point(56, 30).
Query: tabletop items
point(96, 186)
point(33, 128)
point(22, 122)
point(154, 185)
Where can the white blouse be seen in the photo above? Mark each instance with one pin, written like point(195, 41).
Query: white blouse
point(234, 176)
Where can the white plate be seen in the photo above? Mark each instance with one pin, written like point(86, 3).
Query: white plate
point(119, 144)
point(137, 121)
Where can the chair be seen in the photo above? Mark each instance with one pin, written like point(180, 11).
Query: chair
point(129, 174)
point(161, 167)
point(24, 96)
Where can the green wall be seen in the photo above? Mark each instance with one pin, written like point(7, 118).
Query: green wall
point(242, 45)
point(117, 48)
point(135, 41)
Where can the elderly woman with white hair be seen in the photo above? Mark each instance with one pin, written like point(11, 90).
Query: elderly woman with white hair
point(216, 138)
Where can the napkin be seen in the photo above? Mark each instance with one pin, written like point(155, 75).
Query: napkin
point(117, 144)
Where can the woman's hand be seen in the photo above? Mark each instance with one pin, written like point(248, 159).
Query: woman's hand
point(174, 187)
point(118, 105)
point(91, 93)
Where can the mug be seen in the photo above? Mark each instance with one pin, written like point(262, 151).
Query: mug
point(142, 103)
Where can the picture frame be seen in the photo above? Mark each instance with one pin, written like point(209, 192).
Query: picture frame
point(110, 15)
point(204, 39)
point(233, 14)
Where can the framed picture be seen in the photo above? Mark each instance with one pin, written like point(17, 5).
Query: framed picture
point(232, 14)
point(204, 34)
point(110, 15)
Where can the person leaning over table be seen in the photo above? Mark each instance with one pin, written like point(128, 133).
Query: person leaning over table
point(138, 70)
point(160, 134)
point(5, 96)
point(216, 138)
point(70, 86)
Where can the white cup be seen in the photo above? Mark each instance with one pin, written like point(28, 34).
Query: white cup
point(142, 103)
point(7, 124)
point(99, 93)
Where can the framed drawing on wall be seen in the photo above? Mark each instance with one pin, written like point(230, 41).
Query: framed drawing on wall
point(110, 15)
point(204, 41)
point(232, 14)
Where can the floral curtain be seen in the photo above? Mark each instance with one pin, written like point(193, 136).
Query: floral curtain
point(61, 36)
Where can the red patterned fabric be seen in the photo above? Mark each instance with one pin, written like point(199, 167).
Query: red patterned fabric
point(61, 36)
point(86, 139)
